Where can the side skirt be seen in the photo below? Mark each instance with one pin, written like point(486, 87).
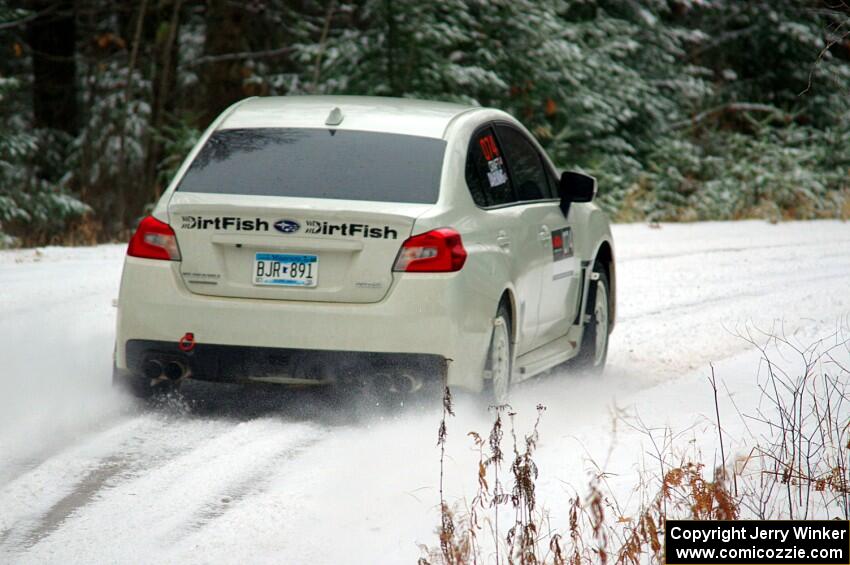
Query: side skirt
point(547, 356)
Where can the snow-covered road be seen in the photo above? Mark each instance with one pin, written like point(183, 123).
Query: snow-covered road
point(87, 477)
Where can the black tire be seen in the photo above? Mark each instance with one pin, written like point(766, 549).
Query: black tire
point(590, 359)
point(497, 392)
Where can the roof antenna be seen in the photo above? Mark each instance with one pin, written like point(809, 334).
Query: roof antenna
point(334, 118)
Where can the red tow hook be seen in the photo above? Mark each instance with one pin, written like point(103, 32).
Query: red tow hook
point(187, 342)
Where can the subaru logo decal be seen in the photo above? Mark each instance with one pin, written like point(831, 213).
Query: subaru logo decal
point(287, 226)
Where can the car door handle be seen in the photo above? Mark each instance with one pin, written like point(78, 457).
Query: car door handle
point(503, 240)
point(544, 234)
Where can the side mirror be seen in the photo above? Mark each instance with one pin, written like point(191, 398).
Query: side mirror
point(575, 187)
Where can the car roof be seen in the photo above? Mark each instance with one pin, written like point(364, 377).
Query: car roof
point(365, 113)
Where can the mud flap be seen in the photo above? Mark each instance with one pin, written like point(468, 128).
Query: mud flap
point(488, 370)
point(591, 297)
point(583, 314)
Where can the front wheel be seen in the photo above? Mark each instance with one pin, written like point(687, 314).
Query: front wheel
point(593, 353)
point(499, 359)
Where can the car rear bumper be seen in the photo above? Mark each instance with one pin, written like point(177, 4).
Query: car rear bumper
point(425, 315)
point(236, 363)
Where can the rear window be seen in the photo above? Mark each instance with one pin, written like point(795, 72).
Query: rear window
point(318, 163)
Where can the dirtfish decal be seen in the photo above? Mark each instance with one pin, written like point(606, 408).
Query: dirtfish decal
point(351, 230)
point(313, 227)
point(225, 223)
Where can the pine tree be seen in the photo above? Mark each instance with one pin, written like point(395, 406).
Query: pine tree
point(36, 204)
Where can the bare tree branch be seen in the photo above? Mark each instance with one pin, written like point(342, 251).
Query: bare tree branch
point(26, 19)
point(239, 56)
point(323, 42)
point(829, 44)
point(731, 107)
point(720, 39)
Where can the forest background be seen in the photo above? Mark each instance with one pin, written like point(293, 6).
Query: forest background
point(684, 109)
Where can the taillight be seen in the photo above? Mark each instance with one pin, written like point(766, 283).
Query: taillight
point(436, 251)
point(154, 240)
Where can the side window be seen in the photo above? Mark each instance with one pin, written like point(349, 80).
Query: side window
point(527, 173)
point(485, 171)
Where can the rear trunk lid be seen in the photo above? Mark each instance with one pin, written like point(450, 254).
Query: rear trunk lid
point(347, 248)
point(301, 213)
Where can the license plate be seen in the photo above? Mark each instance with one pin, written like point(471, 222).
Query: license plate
point(284, 269)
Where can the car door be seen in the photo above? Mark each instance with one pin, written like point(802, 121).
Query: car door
point(508, 229)
point(549, 232)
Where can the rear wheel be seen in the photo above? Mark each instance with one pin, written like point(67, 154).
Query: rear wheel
point(499, 356)
point(594, 344)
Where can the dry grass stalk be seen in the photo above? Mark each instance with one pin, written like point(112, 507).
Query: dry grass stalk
point(798, 468)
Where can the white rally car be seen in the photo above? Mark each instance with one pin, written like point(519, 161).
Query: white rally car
point(310, 240)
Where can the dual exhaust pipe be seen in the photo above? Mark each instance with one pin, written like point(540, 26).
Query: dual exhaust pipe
point(403, 383)
point(171, 370)
point(175, 370)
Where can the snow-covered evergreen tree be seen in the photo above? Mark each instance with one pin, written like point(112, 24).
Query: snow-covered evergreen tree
point(33, 205)
point(684, 109)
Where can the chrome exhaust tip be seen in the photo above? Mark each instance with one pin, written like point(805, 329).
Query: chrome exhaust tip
point(383, 381)
point(174, 370)
point(406, 383)
point(152, 369)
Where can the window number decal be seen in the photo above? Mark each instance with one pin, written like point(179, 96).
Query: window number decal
point(562, 248)
point(488, 147)
point(562, 243)
point(496, 170)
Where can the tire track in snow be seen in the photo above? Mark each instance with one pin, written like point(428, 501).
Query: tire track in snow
point(31, 495)
point(157, 507)
point(83, 493)
point(14, 467)
point(40, 501)
point(255, 483)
